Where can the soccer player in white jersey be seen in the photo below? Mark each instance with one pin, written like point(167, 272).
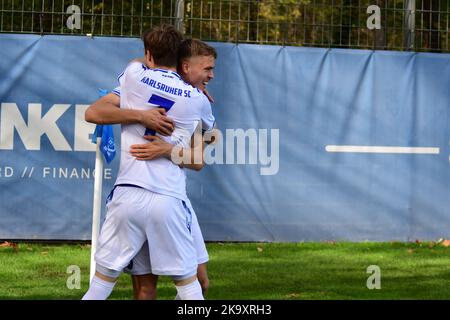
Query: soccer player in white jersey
point(149, 201)
point(196, 62)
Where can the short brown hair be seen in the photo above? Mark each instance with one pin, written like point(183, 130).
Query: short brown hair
point(193, 48)
point(163, 42)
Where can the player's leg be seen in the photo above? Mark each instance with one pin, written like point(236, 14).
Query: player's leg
point(144, 282)
point(135, 287)
point(171, 247)
point(144, 286)
point(202, 275)
point(201, 279)
point(188, 287)
point(202, 253)
point(102, 283)
point(200, 248)
point(119, 241)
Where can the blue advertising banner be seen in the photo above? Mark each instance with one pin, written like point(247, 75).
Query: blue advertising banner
point(316, 144)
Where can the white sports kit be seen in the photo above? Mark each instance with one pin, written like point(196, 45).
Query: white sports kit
point(149, 206)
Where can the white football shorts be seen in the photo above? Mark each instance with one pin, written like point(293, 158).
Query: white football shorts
point(140, 264)
point(136, 215)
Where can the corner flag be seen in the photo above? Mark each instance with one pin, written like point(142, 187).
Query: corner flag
point(106, 133)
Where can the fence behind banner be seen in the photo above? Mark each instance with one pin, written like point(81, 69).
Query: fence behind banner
point(419, 25)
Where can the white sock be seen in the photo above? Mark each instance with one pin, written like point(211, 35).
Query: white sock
point(99, 289)
point(191, 291)
point(177, 297)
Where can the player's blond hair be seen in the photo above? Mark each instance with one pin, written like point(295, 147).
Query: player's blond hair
point(193, 48)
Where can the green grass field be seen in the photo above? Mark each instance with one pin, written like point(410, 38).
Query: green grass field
point(251, 271)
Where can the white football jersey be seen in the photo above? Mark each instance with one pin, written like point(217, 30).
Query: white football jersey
point(143, 88)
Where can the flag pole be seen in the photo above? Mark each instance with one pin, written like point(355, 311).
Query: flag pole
point(103, 138)
point(96, 205)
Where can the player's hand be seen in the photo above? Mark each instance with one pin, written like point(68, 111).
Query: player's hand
point(156, 148)
point(211, 136)
point(202, 88)
point(210, 98)
point(156, 119)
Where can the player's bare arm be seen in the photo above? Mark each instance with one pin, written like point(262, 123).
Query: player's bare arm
point(106, 110)
point(157, 148)
point(196, 152)
point(202, 87)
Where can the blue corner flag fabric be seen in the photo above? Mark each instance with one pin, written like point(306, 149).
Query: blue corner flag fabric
point(107, 145)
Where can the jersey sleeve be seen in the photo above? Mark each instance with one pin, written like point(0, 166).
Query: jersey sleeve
point(128, 82)
point(207, 116)
point(116, 91)
point(133, 71)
